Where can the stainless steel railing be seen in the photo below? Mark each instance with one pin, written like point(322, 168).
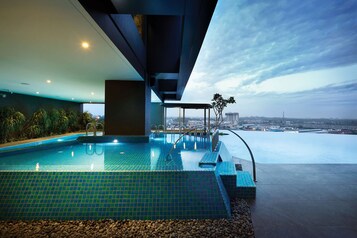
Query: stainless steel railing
point(93, 125)
point(168, 156)
point(250, 152)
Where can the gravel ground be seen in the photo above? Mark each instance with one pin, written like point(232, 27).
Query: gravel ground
point(240, 225)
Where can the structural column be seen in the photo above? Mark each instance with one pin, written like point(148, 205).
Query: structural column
point(165, 119)
point(127, 107)
point(209, 120)
point(204, 119)
point(184, 118)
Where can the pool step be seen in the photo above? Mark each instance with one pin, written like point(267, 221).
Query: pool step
point(239, 184)
point(227, 168)
point(246, 187)
point(210, 158)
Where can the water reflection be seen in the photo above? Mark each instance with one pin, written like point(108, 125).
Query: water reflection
point(111, 156)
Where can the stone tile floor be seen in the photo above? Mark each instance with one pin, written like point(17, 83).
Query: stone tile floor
point(305, 200)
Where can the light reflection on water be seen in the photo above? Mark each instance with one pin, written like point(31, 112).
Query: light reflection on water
point(113, 156)
point(294, 148)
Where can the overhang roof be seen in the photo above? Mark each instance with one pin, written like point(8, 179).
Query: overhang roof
point(41, 40)
point(173, 33)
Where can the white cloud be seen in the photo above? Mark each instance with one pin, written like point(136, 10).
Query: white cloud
point(269, 48)
point(305, 81)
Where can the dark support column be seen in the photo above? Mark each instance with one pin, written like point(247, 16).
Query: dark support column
point(204, 119)
point(127, 107)
point(184, 118)
point(165, 118)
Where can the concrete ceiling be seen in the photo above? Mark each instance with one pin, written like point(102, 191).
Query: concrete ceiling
point(41, 40)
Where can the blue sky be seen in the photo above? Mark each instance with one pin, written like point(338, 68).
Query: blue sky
point(296, 56)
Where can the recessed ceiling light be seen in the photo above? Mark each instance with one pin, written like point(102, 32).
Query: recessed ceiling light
point(72, 98)
point(48, 81)
point(37, 92)
point(85, 45)
point(92, 93)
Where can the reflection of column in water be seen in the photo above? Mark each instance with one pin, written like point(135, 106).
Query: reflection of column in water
point(195, 146)
point(37, 166)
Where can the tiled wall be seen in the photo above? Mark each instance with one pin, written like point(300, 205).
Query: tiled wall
point(115, 195)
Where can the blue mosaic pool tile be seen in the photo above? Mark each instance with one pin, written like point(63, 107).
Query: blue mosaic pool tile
point(115, 195)
point(209, 158)
point(226, 168)
point(246, 187)
point(244, 179)
point(224, 192)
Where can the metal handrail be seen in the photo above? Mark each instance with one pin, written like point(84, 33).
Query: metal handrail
point(154, 128)
point(94, 149)
point(174, 145)
point(88, 126)
point(97, 124)
point(250, 152)
point(94, 125)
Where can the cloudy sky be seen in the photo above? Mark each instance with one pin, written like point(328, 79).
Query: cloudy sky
point(275, 56)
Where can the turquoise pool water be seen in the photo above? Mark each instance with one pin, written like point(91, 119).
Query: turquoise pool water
point(42, 142)
point(294, 148)
point(150, 156)
point(118, 181)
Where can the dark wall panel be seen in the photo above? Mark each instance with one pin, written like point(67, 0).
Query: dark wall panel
point(164, 44)
point(29, 104)
point(127, 108)
point(157, 114)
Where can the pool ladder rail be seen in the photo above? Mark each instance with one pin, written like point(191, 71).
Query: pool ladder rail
point(250, 152)
point(183, 134)
point(94, 125)
point(157, 130)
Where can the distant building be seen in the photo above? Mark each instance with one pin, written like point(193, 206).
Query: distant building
point(233, 118)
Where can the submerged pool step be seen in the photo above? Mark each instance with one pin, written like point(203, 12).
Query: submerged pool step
point(209, 158)
point(246, 187)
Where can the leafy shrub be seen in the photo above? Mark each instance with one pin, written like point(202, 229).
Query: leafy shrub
point(73, 121)
point(11, 124)
point(85, 118)
point(63, 122)
point(39, 124)
point(54, 117)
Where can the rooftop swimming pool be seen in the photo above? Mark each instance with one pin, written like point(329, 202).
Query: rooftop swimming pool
point(77, 156)
point(74, 180)
point(294, 148)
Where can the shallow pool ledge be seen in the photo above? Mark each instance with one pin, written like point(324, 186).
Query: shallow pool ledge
point(113, 138)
